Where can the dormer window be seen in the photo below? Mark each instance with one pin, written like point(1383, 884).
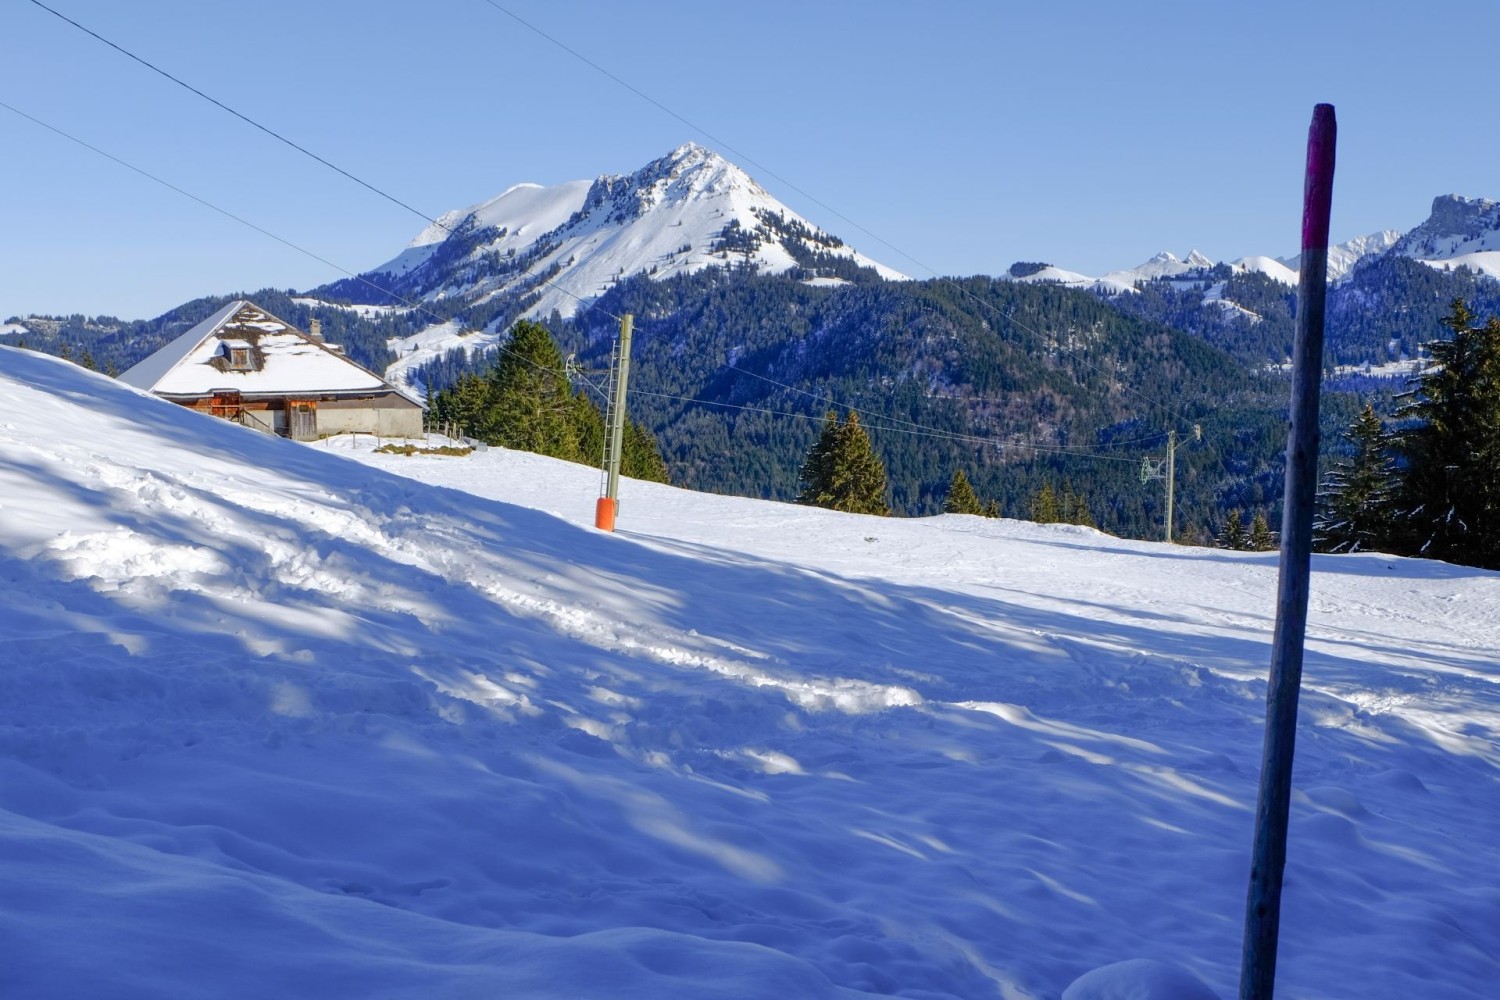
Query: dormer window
point(238, 356)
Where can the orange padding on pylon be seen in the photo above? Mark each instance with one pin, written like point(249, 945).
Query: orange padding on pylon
point(604, 513)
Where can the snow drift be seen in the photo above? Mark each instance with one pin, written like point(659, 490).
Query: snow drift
point(281, 723)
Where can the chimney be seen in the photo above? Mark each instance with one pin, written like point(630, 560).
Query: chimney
point(315, 330)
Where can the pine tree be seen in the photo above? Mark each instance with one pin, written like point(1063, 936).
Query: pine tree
point(640, 458)
point(1233, 535)
point(961, 496)
point(1044, 507)
point(992, 509)
point(1261, 539)
point(531, 405)
point(842, 471)
point(463, 404)
point(816, 475)
point(523, 401)
point(1448, 497)
point(1073, 508)
point(1354, 502)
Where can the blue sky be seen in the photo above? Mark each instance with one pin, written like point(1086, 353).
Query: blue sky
point(966, 135)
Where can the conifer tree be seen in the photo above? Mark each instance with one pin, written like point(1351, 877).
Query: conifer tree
point(1073, 508)
point(842, 471)
point(462, 404)
point(992, 509)
point(1044, 506)
point(961, 496)
point(1233, 535)
point(524, 401)
point(640, 458)
point(1354, 501)
point(531, 406)
point(1261, 539)
point(1448, 499)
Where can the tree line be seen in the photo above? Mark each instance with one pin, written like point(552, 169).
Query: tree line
point(525, 401)
point(1427, 483)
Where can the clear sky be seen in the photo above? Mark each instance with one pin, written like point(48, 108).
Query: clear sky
point(966, 135)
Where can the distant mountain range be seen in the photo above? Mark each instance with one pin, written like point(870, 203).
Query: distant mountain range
point(1459, 232)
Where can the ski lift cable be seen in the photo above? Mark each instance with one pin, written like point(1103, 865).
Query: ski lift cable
point(244, 118)
point(878, 421)
point(417, 306)
point(587, 306)
point(1172, 415)
point(411, 304)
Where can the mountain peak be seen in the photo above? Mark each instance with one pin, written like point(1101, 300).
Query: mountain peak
point(560, 247)
point(1460, 231)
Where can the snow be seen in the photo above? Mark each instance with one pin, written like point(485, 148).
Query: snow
point(526, 210)
point(1341, 260)
point(1482, 261)
point(359, 309)
point(1269, 266)
point(289, 363)
point(9, 329)
point(313, 721)
point(1343, 256)
point(640, 226)
point(1163, 265)
point(431, 342)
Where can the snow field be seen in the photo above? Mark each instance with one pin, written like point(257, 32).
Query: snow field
point(280, 722)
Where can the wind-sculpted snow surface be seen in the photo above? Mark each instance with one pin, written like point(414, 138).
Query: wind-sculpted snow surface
point(278, 723)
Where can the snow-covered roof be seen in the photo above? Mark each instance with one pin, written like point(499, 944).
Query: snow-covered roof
point(288, 360)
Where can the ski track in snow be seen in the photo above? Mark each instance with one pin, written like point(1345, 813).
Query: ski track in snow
point(278, 722)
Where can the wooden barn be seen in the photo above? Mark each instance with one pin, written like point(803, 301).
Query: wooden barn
point(246, 365)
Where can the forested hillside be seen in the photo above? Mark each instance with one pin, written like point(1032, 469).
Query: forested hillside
point(1385, 309)
point(1018, 385)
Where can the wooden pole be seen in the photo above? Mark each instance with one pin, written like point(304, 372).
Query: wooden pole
point(1263, 905)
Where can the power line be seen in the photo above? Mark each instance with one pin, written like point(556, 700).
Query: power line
point(876, 420)
point(885, 422)
point(416, 306)
point(741, 156)
point(586, 305)
point(244, 118)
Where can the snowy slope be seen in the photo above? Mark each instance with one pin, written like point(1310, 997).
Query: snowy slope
point(1163, 265)
point(278, 723)
point(1343, 256)
point(1269, 266)
point(1459, 231)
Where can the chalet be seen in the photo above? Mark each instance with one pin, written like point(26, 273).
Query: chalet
point(248, 366)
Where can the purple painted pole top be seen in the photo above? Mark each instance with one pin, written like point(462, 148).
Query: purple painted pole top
point(1317, 195)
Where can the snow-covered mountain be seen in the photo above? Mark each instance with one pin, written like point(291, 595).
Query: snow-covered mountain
point(1459, 232)
point(564, 245)
point(1343, 257)
point(1192, 267)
